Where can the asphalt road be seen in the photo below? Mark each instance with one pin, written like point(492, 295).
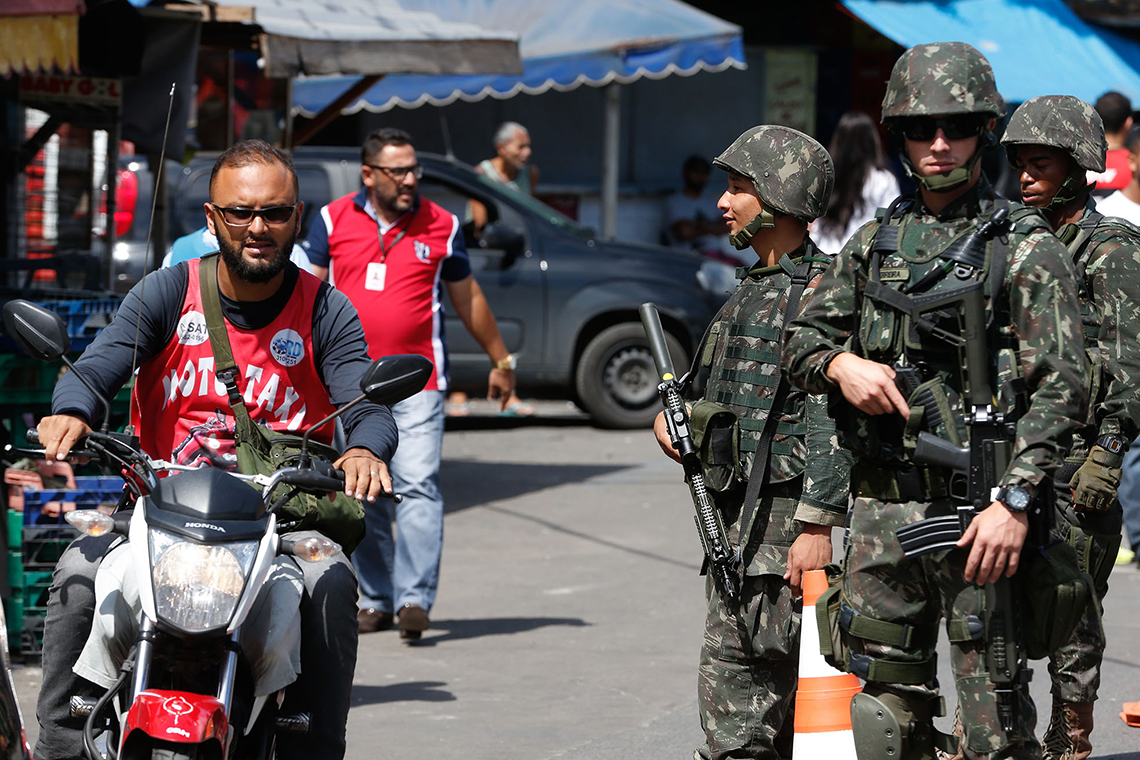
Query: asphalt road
point(569, 617)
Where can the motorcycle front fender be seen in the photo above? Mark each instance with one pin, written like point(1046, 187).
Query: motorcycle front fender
point(178, 716)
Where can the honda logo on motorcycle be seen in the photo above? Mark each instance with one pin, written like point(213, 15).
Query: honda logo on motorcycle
point(218, 528)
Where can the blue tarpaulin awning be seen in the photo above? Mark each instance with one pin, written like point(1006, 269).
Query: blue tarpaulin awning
point(563, 43)
point(1036, 47)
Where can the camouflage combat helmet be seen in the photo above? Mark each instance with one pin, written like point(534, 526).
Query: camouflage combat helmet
point(943, 79)
point(1059, 121)
point(793, 175)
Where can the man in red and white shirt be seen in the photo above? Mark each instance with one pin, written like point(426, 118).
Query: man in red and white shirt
point(387, 249)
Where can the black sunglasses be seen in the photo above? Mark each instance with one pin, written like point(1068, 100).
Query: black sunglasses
point(243, 217)
point(954, 127)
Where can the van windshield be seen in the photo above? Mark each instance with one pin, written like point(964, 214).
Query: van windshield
point(537, 207)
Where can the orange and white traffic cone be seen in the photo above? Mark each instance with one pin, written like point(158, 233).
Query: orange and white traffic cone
point(823, 697)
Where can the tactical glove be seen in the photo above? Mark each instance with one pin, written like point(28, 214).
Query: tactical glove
point(1095, 482)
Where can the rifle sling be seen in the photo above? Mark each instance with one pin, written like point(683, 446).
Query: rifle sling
point(759, 471)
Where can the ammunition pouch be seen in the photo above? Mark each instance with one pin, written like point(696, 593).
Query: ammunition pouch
point(827, 611)
point(874, 437)
point(912, 482)
point(716, 434)
point(1095, 551)
point(1056, 592)
point(887, 437)
point(837, 622)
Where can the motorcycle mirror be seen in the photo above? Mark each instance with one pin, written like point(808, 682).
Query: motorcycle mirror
point(395, 378)
point(42, 333)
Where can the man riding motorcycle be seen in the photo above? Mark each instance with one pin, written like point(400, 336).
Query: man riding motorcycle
point(300, 351)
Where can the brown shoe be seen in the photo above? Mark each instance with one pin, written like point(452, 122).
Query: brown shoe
point(413, 622)
point(371, 620)
point(1067, 737)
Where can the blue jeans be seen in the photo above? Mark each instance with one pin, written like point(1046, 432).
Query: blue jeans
point(1129, 494)
point(406, 571)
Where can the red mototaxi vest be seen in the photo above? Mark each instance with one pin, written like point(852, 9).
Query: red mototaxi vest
point(1117, 173)
point(185, 405)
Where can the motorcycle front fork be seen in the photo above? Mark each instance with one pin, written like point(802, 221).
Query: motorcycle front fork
point(227, 674)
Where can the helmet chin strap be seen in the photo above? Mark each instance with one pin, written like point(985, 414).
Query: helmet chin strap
point(742, 239)
point(1071, 189)
point(946, 181)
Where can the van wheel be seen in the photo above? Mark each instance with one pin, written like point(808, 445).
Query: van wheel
point(617, 380)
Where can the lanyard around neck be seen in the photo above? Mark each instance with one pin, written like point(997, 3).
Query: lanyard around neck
point(399, 237)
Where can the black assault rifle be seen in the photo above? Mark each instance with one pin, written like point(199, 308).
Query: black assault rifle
point(974, 473)
point(719, 556)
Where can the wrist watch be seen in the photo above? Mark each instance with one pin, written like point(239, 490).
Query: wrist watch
point(510, 362)
point(1015, 498)
point(1114, 444)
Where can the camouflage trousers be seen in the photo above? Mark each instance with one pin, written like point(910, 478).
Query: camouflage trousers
point(1075, 668)
point(746, 693)
point(881, 584)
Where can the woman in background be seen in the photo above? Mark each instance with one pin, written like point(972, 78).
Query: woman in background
point(862, 181)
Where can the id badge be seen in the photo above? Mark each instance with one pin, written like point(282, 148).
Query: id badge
point(374, 279)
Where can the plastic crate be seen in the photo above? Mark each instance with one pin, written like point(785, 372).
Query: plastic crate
point(85, 318)
point(26, 610)
point(42, 546)
point(25, 381)
point(90, 492)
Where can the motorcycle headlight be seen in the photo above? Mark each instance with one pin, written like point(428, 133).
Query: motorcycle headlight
point(197, 586)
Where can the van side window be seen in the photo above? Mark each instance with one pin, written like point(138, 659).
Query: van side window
point(462, 203)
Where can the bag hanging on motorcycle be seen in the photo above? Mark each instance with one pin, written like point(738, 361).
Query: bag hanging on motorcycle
point(716, 434)
point(264, 451)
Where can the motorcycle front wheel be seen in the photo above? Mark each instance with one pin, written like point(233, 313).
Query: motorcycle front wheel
point(175, 751)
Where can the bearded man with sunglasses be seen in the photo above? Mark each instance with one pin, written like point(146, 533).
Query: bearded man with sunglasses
point(181, 413)
point(857, 338)
point(387, 248)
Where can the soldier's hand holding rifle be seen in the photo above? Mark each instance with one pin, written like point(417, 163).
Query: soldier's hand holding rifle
point(997, 536)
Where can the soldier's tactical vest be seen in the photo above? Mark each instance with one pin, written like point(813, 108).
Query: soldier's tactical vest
point(742, 352)
point(908, 260)
point(1082, 238)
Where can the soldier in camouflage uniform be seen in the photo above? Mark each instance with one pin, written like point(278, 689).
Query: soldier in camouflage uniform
point(941, 103)
point(1052, 141)
point(779, 180)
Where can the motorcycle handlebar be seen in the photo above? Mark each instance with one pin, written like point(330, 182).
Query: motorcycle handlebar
point(324, 477)
point(313, 480)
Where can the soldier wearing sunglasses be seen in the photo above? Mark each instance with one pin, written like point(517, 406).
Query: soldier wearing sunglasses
point(855, 337)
